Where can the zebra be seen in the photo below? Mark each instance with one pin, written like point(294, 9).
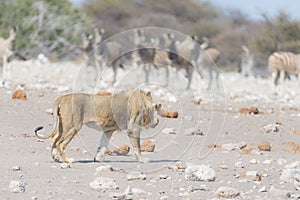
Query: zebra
point(283, 63)
point(247, 61)
point(207, 59)
point(7, 50)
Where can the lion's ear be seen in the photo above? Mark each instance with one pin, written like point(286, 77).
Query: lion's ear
point(148, 93)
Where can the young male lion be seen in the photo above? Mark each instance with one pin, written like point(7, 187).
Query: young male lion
point(130, 110)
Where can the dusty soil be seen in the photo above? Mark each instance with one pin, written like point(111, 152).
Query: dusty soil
point(218, 118)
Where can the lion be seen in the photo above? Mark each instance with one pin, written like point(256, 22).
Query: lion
point(130, 110)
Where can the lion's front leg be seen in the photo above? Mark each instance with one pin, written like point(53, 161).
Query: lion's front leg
point(103, 146)
point(134, 136)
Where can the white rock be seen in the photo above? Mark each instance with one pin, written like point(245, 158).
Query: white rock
point(234, 146)
point(169, 131)
point(164, 197)
point(17, 186)
point(292, 165)
point(267, 162)
point(65, 165)
point(104, 183)
point(199, 173)
point(263, 189)
point(16, 168)
point(289, 174)
point(253, 161)
point(137, 191)
point(198, 188)
point(281, 161)
point(223, 167)
point(251, 174)
point(270, 128)
point(104, 168)
point(227, 192)
point(297, 185)
point(136, 176)
point(239, 164)
point(193, 131)
point(163, 176)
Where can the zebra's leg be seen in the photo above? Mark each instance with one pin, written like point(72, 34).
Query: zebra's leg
point(282, 82)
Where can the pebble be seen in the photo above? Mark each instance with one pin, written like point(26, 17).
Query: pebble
point(16, 168)
point(264, 146)
point(193, 131)
point(263, 189)
point(104, 168)
point(251, 174)
point(163, 176)
point(223, 167)
point(239, 164)
point(267, 162)
point(270, 128)
point(104, 183)
point(17, 186)
point(136, 176)
point(169, 131)
point(65, 165)
point(292, 165)
point(253, 161)
point(199, 173)
point(227, 192)
point(281, 161)
point(234, 146)
point(198, 188)
point(289, 174)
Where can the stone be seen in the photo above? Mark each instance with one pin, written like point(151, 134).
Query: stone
point(233, 146)
point(193, 131)
point(16, 168)
point(20, 95)
point(264, 146)
point(104, 183)
point(227, 192)
point(199, 173)
point(263, 189)
point(251, 174)
point(65, 165)
point(281, 161)
point(289, 174)
point(147, 146)
point(17, 186)
point(122, 150)
point(253, 161)
point(169, 131)
point(136, 176)
point(104, 168)
point(270, 128)
point(163, 176)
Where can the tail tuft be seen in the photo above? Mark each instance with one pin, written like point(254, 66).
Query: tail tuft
point(38, 129)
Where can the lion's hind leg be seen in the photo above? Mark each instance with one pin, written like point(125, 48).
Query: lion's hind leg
point(103, 146)
point(53, 141)
point(62, 143)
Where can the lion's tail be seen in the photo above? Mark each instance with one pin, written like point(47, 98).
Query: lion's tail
point(55, 119)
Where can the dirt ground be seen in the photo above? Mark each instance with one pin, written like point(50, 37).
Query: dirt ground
point(27, 159)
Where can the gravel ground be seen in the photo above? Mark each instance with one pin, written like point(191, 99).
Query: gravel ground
point(210, 151)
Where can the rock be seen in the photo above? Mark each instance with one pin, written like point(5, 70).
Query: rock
point(251, 110)
point(164, 197)
point(104, 183)
point(49, 111)
point(122, 150)
point(136, 176)
point(16, 168)
point(251, 174)
point(199, 188)
point(270, 128)
point(223, 167)
point(17, 186)
point(263, 189)
point(163, 176)
point(293, 196)
point(264, 146)
point(104, 168)
point(177, 165)
point(169, 131)
point(239, 164)
point(267, 162)
point(117, 196)
point(65, 165)
point(227, 192)
point(193, 131)
point(289, 174)
point(147, 146)
point(20, 95)
point(281, 161)
point(199, 173)
point(233, 146)
point(165, 113)
point(292, 165)
point(253, 161)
